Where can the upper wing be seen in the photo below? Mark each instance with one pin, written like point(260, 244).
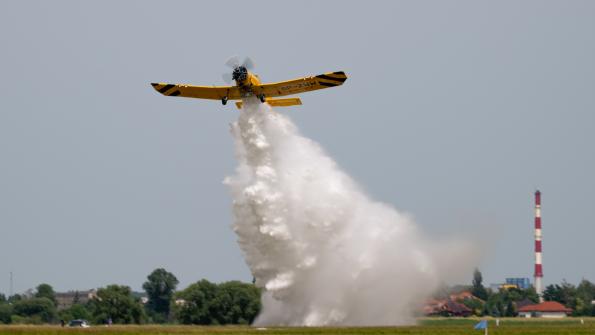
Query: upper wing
point(201, 92)
point(300, 85)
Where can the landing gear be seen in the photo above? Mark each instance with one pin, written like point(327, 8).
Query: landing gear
point(261, 98)
point(224, 101)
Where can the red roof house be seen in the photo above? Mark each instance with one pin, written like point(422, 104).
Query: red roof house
point(446, 307)
point(548, 309)
point(464, 295)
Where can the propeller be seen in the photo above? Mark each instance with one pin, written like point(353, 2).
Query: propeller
point(233, 62)
point(237, 67)
point(248, 63)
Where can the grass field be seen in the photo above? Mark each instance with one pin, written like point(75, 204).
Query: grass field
point(426, 327)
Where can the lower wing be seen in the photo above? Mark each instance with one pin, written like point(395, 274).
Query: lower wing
point(306, 84)
point(200, 92)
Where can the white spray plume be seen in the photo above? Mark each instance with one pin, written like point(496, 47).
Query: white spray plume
point(322, 250)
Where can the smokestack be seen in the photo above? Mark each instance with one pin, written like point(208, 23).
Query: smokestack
point(538, 267)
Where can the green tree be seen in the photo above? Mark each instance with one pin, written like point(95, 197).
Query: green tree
point(477, 287)
point(552, 292)
point(117, 303)
point(5, 313)
point(493, 304)
point(475, 305)
point(564, 294)
point(504, 302)
point(76, 311)
point(41, 309)
point(236, 303)
point(500, 307)
point(14, 298)
point(511, 309)
point(197, 303)
point(3, 298)
point(206, 303)
point(160, 287)
point(530, 294)
point(46, 291)
point(585, 293)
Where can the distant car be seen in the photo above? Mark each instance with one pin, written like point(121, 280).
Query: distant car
point(79, 323)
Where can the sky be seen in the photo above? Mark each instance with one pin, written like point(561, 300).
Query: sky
point(454, 112)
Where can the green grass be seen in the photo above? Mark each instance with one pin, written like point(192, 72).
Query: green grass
point(426, 326)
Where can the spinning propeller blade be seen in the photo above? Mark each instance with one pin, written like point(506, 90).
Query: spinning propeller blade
point(233, 62)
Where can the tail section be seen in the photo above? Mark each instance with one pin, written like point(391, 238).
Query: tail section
point(277, 102)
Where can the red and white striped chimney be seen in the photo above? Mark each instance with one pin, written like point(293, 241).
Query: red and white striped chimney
point(538, 267)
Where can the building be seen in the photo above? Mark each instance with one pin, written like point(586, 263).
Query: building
point(502, 286)
point(67, 299)
point(548, 309)
point(522, 303)
point(463, 295)
point(522, 283)
point(496, 287)
point(446, 307)
point(451, 306)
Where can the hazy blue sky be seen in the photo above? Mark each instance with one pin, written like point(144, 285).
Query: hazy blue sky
point(454, 111)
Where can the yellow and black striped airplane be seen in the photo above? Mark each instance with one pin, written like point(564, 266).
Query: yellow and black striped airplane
point(248, 84)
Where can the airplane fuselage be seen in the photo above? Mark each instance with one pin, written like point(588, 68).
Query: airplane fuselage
point(245, 85)
point(245, 80)
point(251, 80)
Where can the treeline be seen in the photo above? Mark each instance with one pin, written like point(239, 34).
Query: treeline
point(580, 298)
point(506, 301)
point(202, 303)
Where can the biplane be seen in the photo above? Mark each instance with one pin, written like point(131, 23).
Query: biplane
point(247, 84)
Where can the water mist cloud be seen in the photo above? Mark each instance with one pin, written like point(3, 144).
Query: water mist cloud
point(324, 252)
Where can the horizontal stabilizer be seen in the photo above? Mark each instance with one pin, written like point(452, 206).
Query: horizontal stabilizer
point(277, 102)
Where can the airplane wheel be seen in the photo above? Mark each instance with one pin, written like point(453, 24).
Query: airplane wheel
point(224, 101)
point(261, 97)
